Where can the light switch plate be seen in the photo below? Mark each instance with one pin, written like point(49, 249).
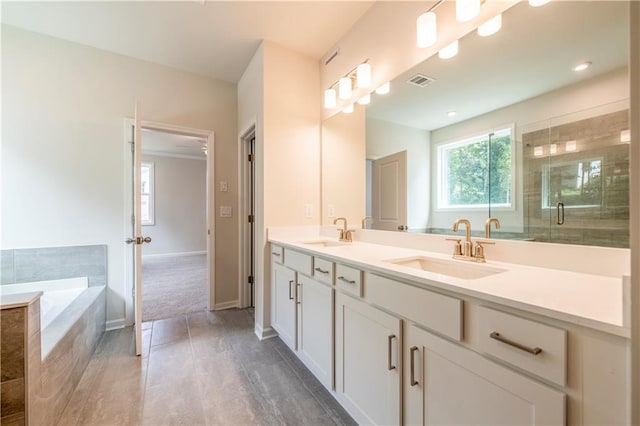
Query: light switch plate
point(308, 210)
point(226, 211)
point(331, 210)
point(224, 187)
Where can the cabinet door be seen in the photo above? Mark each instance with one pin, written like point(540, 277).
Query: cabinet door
point(368, 362)
point(448, 384)
point(315, 328)
point(283, 303)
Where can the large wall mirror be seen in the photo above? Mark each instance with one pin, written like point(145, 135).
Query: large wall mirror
point(505, 129)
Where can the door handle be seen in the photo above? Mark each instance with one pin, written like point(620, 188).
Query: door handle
point(390, 366)
point(402, 227)
point(138, 240)
point(560, 214)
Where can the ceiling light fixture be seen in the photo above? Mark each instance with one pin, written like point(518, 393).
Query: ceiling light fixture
point(582, 66)
point(426, 29)
point(384, 89)
point(363, 76)
point(365, 100)
point(490, 27)
point(538, 3)
point(348, 109)
point(466, 10)
point(330, 98)
point(449, 51)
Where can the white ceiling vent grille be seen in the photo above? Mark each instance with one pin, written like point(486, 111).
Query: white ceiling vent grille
point(421, 80)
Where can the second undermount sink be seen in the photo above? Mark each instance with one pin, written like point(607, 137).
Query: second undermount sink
point(323, 243)
point(452, 268)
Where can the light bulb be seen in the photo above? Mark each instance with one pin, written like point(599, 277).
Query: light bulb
point(490, 27)
point(348, 109)
point(330, 100)
point(384, 89)
point(449, 51)
point(582, 66)
point(363, 76)
point(344, 88)
point(536, 3)
point(466, 10)
point(426, 29)
point(365, 100)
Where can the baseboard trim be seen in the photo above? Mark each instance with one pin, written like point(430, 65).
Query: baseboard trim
point(115, 324)
point(264, 333)
point(184, 253)
point(226, 305)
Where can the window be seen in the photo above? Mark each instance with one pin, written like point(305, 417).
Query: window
point(147, 194)
point(476, 172)
point(575, 184)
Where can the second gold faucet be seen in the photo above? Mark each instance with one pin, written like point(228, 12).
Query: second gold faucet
point(346, 235)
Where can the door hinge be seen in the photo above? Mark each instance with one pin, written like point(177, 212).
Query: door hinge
point(250, 157)
point(250, 279)
point(251, 218)
point(133, 144)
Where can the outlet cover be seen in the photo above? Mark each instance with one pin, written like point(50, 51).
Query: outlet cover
point(308, 210)
point(331, 210)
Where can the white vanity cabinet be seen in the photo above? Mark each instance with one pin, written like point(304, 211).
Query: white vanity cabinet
point(446, 383)
point(368, 361)
point(302, 309)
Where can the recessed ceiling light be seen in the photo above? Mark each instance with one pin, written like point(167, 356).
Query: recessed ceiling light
point(582, 66)
point(451, 113)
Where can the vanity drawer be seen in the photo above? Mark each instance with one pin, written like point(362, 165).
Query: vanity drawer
point(440, 313)
point(277, 253)
point(301, 262)
point(323, 270)
point(349, 279)
point(532, 346)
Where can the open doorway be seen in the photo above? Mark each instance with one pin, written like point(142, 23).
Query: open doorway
point(174, 214)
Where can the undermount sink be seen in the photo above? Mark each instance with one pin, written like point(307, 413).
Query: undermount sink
point(323, 243)
point(452, 268)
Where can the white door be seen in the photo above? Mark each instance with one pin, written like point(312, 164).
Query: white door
point(368, 362)
point(283, 295)
point(137, 239)
point(448, 384)
point(389, 192)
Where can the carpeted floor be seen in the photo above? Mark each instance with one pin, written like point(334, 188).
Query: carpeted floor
point(173, 286)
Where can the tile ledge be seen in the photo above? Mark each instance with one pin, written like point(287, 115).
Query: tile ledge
point(8, 301)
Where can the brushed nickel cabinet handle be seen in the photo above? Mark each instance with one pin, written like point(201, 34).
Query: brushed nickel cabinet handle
point(412, 351)
point(341, 278)
point(290, 296)
point(322, 271)
point(534, 351)
point(297, 293)
point(391, 366)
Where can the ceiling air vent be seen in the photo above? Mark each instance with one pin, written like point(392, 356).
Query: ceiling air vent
point(421, 80)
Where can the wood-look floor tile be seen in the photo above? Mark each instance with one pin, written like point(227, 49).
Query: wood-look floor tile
point(169, 330)
point(174, 403)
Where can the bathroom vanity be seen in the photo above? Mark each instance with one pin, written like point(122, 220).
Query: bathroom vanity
point(405, 335)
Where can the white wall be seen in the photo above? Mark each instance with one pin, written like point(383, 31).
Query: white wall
point(528, 115)
point(279, 94)
point(63, 149)
point(180, 206)
point(384, 138)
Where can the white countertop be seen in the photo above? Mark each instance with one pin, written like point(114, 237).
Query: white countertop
point(589, 300)
point(19, 300)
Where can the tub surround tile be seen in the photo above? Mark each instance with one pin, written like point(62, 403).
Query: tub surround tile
point(20, 300)
point(13, 343)
point(7, 271)
point(14, 420)
point(13, 401)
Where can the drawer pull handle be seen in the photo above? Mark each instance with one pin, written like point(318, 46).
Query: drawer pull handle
point(290, 296)
point(275, 254)
point(412, 351)
point(322, 271)
point(298, 293)
point(391, 366)
point(341, 278)
point(534, 351)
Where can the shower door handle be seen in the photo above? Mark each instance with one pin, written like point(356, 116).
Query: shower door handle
point(560, 214)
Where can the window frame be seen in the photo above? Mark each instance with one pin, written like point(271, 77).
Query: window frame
point(441, 172)
point(150, 193)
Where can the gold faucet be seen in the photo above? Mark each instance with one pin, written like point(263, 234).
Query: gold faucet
point(469, 251)
point(487, 226)
point(364, 221)
point(345, 234)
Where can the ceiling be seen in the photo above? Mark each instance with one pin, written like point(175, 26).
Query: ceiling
point(156, 142)
point(532, 54)
point(211, 38)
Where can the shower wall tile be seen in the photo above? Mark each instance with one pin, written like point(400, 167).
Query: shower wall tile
point(53, 263)
point(7, 273)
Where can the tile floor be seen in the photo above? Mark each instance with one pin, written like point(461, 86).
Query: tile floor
point(205, 368)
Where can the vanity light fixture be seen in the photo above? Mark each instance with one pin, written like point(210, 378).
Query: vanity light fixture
point(538, 151)
point(365, 100)
point(426, 29)
point(553, 148)
point(330, 98)
point(384, 89)
point(466, 10)
point(344, 88)
point(490, 27)
point(363, 76)
point(537, 3)
point(449, 51)
point(348, 109)
point(582, 66)
point(625, 136)
point(570, 146)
